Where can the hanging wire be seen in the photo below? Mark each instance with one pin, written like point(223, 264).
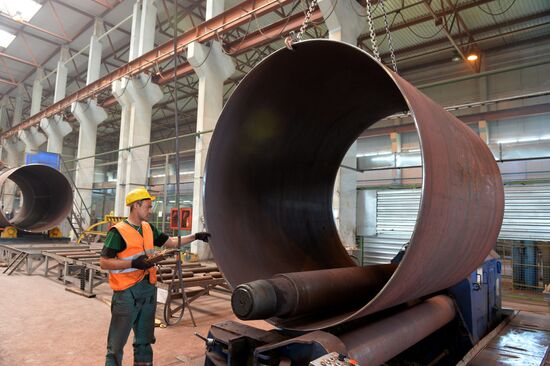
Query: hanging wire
point(417, 34)
point(176, 117)
point(496, 14)
point(388, 33)
point(372, 33)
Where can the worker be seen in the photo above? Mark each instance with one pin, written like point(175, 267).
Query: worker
point(133, 278)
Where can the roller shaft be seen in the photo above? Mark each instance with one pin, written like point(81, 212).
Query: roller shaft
point(376, 343)
point(299, 293)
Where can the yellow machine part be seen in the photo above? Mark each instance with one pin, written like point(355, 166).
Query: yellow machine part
point(107, 219)
point(190, 257)
point(55, 233)
point(9, 232)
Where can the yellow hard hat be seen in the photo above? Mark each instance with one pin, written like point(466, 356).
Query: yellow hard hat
point(138, 194)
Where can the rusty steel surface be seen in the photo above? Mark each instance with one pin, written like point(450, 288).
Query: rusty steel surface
point(290, 295)
point(376, 343)
point(47, 197)
point(275, 153)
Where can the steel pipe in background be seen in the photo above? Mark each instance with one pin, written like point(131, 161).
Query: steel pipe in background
point(277, 148)
point(303, 293)
point(47, 197)
point(377, 343)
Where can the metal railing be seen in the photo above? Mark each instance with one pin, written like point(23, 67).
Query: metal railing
point(525, 268)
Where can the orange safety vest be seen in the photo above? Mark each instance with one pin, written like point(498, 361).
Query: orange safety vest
point(136, 246)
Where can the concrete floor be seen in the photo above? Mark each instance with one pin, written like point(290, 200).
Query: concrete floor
point(43, 324)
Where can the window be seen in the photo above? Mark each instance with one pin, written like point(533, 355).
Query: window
point(19, 9)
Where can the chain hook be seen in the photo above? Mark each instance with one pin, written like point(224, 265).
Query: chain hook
point(373, 34)
point(293, 37)
point(290, 39)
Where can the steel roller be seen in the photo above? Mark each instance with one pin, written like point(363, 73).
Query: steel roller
point(274, 156)
point(46, 194)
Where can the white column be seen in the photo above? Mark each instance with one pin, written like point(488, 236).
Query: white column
point(396, 146)
point(136, 26)
point(136, 97)
point(345, 25)
point(343, 20)
point(4, 126)
point(123, 98)
point(13, 150)
point(213, 67)
point(96, 49)
point(4, 102)
point(56, 128)
point(61, 76)
point(147, 27)
point(18, 110)
point(37, 91)
point(483, 95)
point(32, 138)
point(89, 115)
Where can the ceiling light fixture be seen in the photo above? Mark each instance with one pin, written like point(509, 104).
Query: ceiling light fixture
point(6, 38)
point(472, 57)
point(20, 10)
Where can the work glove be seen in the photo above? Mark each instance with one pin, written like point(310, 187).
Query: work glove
point(141, 263)
point(202, 236)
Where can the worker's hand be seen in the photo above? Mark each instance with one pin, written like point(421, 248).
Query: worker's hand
point(202, 236)
point(141, 263)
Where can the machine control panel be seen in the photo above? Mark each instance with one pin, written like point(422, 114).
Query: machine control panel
point(333, 359)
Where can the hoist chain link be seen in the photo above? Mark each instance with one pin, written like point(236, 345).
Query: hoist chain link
point(388, 32)
point(371, 31)
point(298, 37)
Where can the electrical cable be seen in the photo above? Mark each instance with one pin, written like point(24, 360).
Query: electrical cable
point(199, 65)
point(328, 16)
point(185, 303)
point(176, 124)
point(255, 19)
point(418, 35)
point(496, 14)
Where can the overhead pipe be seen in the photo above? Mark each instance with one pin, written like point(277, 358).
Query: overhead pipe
point(274, 156)
point(46, 194)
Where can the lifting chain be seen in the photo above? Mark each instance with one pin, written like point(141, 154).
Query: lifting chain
point(292, 38)
point(373, 34)
point(371, 31)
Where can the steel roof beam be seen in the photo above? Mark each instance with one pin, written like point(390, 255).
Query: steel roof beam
point(210, 29)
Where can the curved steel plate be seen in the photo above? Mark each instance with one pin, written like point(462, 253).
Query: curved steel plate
point(275, 153)
point(47, 197)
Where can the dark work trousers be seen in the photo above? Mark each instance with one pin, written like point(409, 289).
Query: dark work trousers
point(133, 308)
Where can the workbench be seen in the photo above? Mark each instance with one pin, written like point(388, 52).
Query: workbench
point(78, 265)
point(197, 280)
point(28, 254)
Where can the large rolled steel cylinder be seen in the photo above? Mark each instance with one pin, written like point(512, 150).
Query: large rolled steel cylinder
point(46, 194)
point(276, 151)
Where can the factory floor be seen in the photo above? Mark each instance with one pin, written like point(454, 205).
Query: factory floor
point(43, 324)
